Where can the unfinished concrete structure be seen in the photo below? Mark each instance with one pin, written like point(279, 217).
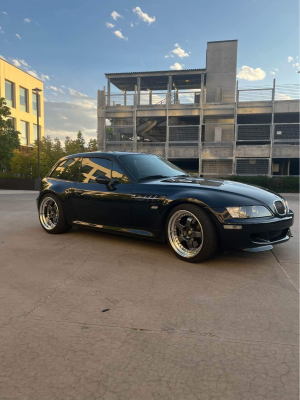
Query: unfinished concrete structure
point(200, 120)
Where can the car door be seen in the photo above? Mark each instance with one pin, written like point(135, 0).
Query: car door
point(99, 203)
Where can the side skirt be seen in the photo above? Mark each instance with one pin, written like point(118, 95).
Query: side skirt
point(139, 233)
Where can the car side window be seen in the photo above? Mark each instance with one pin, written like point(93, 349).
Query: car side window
point(118, 175)
point(67, 170)
point(93, 167)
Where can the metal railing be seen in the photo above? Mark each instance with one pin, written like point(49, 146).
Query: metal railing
point(253, 132)
point(281, 92)
point(252, 166)
point(286, 131)
point(179, 133)
point(217, 167)
point(152, 99)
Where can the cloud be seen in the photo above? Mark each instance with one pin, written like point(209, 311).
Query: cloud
point(272, 72)
point(55, 89)
point(76, 94)
point(20, 63)
point(177, 66)
point(63, 86)
point(33, 73)
point(65, 118)
point(179, 51)
point(251, 74)
point(45, 77)
point(290, 59)
point(3, 58)
point(1, 30)
point(27, 20)
point(131, 24)
point(283, 97)
point(24, 63)
point(3, 12)
point(116, 15)
point(18, 36)
point(144, 16)
point(296, 64)
point(16, 62)
point(120, 35)
point(169, 55)
point(276, 69)
point(109, 25)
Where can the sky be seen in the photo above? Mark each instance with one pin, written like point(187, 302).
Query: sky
point(70, 44)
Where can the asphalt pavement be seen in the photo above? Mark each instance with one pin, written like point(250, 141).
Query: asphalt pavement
point(89, 315)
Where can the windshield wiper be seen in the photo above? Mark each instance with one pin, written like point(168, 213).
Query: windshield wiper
point(152, 177)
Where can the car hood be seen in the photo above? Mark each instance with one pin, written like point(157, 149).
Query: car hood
point(255, 193)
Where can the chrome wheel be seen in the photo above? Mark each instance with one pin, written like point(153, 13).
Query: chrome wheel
point(185, 233)
point(49, 213)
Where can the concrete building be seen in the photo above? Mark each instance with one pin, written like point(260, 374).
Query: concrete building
point(16, 87)
point(200, 119)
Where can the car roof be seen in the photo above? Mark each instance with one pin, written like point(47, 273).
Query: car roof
point(104, 153)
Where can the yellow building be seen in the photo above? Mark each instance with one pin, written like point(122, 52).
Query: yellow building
point(16, 87)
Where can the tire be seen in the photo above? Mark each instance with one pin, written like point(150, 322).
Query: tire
point(51, 215)
point(191, 233)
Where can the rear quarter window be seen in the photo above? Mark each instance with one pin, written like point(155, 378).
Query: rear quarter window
point(67, 170)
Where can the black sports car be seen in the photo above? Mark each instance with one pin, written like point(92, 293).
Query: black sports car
point(144, 195)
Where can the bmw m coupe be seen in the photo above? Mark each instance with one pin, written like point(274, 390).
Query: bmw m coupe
point(144, 195)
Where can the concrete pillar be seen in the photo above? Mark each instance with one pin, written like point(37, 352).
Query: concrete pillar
point(235, 130)
point(101, 136)
point(221, 61)
point(272, 130)
point(150, 97)
point(202, 91)
point(124, 97)
point(169, 90)
point(108, 91)
point(139, 90)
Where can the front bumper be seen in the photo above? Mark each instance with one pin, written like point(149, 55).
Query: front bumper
point(260, 234)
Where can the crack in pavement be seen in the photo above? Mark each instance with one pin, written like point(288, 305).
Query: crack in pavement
point(191, 334)
point(277, 259)
point(44, 299)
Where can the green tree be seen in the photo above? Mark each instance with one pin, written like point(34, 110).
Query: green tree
point(92, 145)
point(24, 162)
point(73, 146)
point(9, 137)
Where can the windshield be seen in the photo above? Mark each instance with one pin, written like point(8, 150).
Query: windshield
point(143, 166)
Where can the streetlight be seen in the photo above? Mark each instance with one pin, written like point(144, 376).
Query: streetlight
point(37, 90)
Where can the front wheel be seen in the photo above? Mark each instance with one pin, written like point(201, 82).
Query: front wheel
point(191, 233)
point(51, 215)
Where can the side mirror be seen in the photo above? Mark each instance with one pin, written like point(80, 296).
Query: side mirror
point(103, 179)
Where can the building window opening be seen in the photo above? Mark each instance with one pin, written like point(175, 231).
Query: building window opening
point(24, 133)
point(9, 94)
point(23, 99)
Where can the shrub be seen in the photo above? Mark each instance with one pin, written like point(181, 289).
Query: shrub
point(286, 184)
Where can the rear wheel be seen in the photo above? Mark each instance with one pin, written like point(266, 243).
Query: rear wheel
point(51, 215)
point(191, 233)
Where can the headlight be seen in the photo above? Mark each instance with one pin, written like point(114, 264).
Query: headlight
point(249, 212)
